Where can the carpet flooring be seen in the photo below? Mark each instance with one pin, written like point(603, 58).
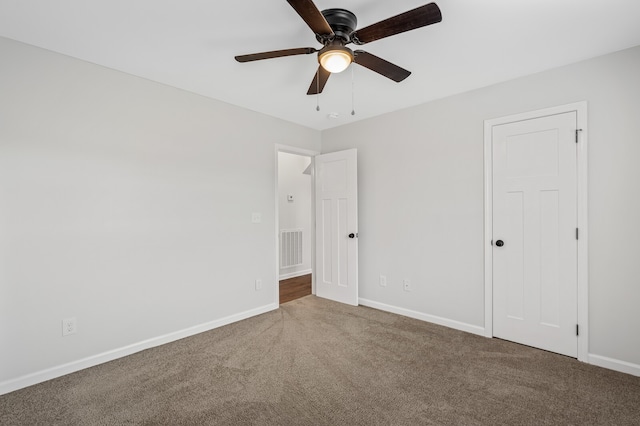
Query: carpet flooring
point(316, 362)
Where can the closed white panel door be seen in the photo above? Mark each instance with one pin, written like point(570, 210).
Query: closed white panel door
point(534, 233)
point(337, 226)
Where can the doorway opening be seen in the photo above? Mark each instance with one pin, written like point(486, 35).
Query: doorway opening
point(295, 224)
point(295, 288)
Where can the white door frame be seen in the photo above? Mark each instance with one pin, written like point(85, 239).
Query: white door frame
point(308, 153)
point(583, 280)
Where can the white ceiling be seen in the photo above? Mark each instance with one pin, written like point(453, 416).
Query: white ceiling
point(190, 44)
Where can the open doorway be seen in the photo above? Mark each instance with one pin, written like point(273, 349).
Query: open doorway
point(295, 225)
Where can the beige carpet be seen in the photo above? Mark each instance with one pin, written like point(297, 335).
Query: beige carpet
point(315, 362)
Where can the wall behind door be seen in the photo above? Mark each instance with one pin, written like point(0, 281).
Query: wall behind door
point(295, 214)
point(420, 176)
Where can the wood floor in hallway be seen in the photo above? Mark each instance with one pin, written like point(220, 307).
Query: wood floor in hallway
point(295, 288)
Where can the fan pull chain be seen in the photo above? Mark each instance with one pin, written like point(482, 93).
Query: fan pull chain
point(318, 90)
point(353, 91)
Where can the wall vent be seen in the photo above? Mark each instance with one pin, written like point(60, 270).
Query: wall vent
point(290, 248)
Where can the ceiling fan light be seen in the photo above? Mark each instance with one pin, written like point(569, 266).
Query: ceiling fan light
point(336, 60)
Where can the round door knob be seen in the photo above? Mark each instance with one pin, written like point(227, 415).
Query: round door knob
point(352, 235)
point(499, 243)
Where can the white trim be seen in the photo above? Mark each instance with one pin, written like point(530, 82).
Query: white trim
point(457, 325)
point(91, 361)
point(312, 154)
point(583, 240)
point(614, 364)
point(583, 266)
point(488, 231)
point(295, 274)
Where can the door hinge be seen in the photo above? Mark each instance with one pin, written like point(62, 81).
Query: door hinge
point(577, 233)
point(577, 133)
point(577, 330)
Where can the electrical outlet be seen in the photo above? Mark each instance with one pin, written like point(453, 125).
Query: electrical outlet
point(69, 326)
point(256, 218)
point(383, 280)
point(258, 284)
point(406, 284)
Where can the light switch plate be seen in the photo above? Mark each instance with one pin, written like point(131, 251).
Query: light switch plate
point(256, 218)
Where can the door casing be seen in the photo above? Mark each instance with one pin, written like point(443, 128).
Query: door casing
point(583, 282)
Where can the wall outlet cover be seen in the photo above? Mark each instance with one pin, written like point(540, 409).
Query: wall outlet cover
point(69, 326)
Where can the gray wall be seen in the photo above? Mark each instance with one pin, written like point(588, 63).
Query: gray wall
point(126, 204)
point(421, 196)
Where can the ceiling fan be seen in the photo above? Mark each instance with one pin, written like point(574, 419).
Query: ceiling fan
point(336, 28)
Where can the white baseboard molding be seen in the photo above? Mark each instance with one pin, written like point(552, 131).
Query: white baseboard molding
point(598, 360)
point(614, 364)
point(72, 367)
point(457, 325)
point(294, 274)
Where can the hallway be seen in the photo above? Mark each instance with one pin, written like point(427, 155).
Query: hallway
point(295, 288)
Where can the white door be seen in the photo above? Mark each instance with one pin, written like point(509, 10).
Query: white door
point(534, 232)
point(337, 226)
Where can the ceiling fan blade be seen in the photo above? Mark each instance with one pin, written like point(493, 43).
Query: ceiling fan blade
point(416, 18)
point(312, 16)
point(275, 54)
point(380, 66)
point(319, 80)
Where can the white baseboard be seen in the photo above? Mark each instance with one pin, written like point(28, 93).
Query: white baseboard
point(457, 325)
point(598, 360)
point(294, 274)
point(614, 364)
point(72, 367)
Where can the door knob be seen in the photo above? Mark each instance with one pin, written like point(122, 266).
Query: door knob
point(499, 243)
point(352, 235)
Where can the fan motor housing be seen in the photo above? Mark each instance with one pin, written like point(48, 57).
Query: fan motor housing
point(342, 22)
